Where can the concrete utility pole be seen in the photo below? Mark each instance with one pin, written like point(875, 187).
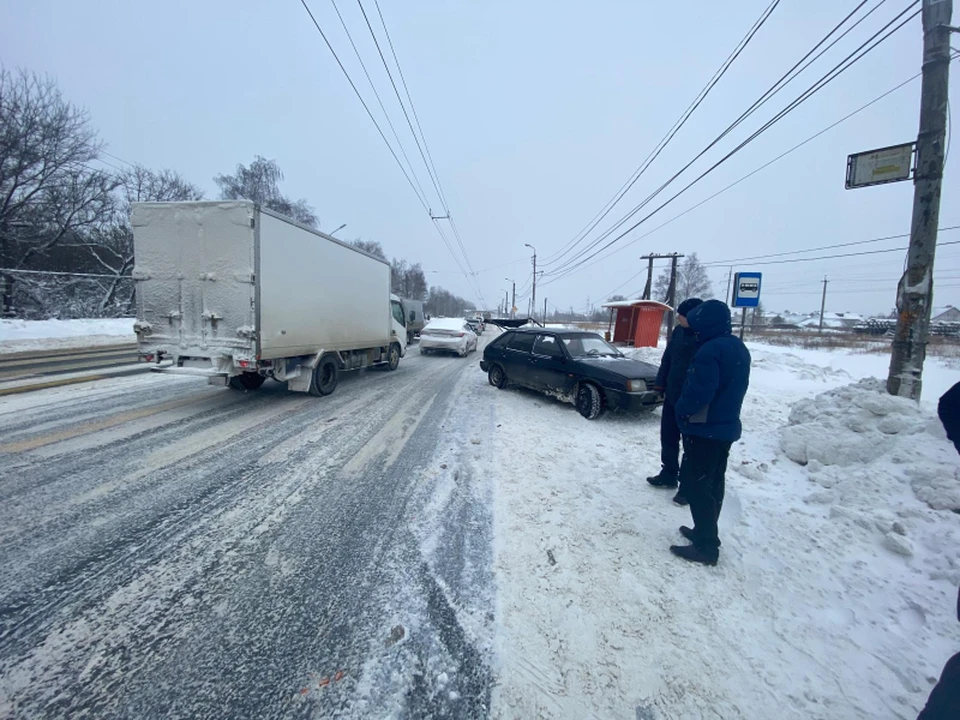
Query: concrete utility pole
point(915, 290)
point(823, 302)
point(513, 314)
point(672, 294)
point(648, 288)
point(506, 301)
point(726, 298)
point(544, 311)
point(533, 296)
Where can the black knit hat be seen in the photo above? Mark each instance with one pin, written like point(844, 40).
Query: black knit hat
point(688, 305)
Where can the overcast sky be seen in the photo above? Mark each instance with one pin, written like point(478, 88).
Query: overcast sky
point(535, 113)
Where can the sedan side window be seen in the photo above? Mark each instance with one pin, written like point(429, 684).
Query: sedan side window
point(547, 345)
point(522, 342)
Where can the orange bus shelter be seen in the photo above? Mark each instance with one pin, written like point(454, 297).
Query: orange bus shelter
point(636, 322)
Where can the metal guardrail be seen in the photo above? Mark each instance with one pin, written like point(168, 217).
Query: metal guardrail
point(21, 365)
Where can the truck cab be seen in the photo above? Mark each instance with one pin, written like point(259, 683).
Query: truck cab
point(398, 323)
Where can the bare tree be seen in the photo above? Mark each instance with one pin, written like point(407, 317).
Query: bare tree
point(692, 281)
point(260, 182)
point(113, 249)
point(48, 192)
point(371, 247)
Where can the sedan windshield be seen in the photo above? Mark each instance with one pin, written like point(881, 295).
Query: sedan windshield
point(589, 346)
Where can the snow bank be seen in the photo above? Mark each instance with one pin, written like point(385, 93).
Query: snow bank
point(27, 335)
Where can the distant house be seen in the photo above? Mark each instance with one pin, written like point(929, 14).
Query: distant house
point(945, 314)
point(835, 321)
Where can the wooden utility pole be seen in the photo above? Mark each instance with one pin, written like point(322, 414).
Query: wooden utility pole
point(823, 302)
point(544, 311)
point(915, 290)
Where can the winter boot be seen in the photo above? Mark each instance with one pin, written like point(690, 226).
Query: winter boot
point(696, 554)
point(680, 500)
point(663, 480)
point(689, 533)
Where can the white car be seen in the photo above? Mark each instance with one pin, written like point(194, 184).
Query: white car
point(447, 335)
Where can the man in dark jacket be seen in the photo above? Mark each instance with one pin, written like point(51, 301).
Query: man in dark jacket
point(673, 370)
point(949, 411)
point(944, 700)
point(708, 413)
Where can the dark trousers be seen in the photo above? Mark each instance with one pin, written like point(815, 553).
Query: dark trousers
point(701, 477)
point(669, 440)
point(944, 700)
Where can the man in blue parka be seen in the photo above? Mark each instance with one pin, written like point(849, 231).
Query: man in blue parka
point(708, 414)
point(673, 371)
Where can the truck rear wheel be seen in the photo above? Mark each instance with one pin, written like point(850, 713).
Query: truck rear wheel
point(247, 381)
point(326, 375)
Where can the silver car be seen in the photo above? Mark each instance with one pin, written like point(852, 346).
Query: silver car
point(448, 335)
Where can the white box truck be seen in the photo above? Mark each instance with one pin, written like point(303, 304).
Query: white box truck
point(238, 293)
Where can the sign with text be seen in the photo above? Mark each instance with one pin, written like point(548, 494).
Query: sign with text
point(883, 165)
point(746, 289)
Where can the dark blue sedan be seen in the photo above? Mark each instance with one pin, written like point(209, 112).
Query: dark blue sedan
point(578, 366)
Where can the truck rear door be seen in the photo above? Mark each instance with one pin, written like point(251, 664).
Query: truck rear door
point(195, 278)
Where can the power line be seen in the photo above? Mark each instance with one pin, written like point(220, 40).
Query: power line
point(753, 172)
point(845, 255)
point(678, 124)
point(356, 91)
point(377, 96)
point(782, 82)
point(831, 75)
point(841, 67)
point(365, 107)
point(397, 93)
point(822, 247)
point(427, 164)
point(413, 108)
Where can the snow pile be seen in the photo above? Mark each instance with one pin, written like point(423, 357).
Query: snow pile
point(797, 366)
point(858, 443)
point(26, 335)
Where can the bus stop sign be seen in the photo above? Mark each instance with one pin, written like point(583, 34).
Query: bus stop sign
point(746, 289)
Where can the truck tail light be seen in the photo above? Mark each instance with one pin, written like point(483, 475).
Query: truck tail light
point(244, 363)
point(146, 358)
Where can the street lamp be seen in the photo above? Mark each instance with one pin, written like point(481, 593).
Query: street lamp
point(338, 229)
point(533, 301)
point(514, 303)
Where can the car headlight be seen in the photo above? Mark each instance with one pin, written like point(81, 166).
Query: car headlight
point(636, 385)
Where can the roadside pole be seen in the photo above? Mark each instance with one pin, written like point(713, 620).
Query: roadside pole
point(743, 322)
point(823, 303)
point(672, 294)
point(648, 288)
point(915, 289)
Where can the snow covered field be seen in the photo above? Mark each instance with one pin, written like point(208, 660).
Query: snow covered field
point(30, 335)
point(836, 589)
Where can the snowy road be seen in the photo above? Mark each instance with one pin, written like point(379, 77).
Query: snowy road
point(176, 550)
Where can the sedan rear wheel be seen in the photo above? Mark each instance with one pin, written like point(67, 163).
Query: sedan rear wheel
point(497, 377)
point(589, 402)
